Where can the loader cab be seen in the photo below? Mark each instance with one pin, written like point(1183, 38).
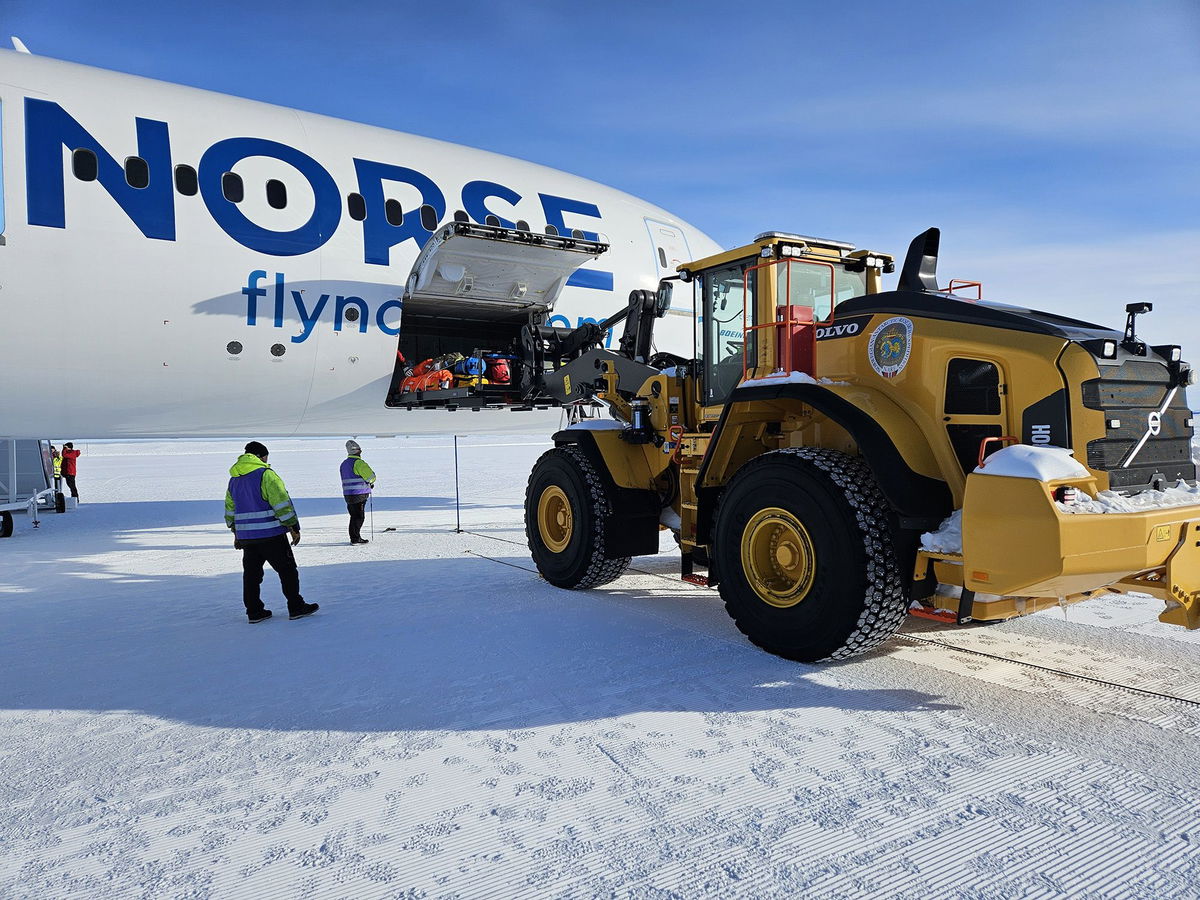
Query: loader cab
point(757, 307)
point(726, 297)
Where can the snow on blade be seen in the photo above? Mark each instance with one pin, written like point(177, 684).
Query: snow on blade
point(1040, 463)
point(1182, 494)
point(947, 538)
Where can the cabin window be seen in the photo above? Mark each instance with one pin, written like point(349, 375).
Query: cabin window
point(393, 212)
point(276, 194)
point(972, 388)
point(429, 218)
point(232, 188)
point(83, 164)
point(356, 206)
point(137, 172)
point(185, 181)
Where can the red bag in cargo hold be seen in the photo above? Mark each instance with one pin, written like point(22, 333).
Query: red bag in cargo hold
point(497, 371)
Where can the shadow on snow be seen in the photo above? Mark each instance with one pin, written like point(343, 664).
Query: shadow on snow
point(457, 642)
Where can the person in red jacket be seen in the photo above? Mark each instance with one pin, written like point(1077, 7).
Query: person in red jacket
point(69, 455)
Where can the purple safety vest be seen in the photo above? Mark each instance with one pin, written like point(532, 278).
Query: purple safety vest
point(353, 485)
point(253, 517)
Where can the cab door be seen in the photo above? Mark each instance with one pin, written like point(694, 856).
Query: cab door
point(974, 407)
point(727, 300)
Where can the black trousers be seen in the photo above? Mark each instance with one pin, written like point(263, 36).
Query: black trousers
point(276, 552)
point(70, 480)
point(356, 505)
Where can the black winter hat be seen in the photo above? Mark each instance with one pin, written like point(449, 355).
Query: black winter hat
point(257, 449)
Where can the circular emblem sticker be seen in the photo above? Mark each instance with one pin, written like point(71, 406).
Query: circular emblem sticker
point(890, 346)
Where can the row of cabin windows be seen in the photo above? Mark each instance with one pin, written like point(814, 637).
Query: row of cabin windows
point(85, 167)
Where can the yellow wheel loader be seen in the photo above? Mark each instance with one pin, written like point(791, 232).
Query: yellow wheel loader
point(834, 452)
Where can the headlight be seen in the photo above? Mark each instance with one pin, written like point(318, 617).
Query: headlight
point(1109, 349)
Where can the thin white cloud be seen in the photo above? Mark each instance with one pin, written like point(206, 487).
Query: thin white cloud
point(1093, 281)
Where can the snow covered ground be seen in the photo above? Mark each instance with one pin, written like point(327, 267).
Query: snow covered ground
point(450, 726)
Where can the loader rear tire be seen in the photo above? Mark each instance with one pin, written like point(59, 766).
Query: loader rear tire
point(803, 546)
point(567, 509)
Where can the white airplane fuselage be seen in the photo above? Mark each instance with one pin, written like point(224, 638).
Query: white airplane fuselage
point(139, 311)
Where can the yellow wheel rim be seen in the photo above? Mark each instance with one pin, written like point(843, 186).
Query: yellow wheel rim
point(555, 522)
point(778, 557)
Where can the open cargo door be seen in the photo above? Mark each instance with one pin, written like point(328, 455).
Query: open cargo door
point(471, 291)
point(489, 273)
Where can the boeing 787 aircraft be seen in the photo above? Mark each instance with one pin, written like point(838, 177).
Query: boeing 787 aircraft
point(175, 262)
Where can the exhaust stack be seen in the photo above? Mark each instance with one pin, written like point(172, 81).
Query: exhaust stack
point(920, 263)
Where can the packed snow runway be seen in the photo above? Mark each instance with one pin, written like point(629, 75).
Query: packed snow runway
point(448, 725)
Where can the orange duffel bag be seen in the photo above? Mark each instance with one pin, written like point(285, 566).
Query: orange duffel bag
point(439, 380)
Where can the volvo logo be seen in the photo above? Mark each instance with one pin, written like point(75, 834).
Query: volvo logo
point(1153, 427)
point(844, 327)
point(829, 331)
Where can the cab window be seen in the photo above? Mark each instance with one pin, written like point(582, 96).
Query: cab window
point(801, 283)
point(726, 296)
point(972, 388)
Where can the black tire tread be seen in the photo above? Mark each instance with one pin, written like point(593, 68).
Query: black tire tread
point(886, 603)
point(600, 568)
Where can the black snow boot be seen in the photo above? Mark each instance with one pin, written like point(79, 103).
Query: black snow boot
point(260, 617)
point(307, 610)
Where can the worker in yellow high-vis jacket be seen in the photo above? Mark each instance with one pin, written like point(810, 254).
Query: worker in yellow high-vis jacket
point(358, 480)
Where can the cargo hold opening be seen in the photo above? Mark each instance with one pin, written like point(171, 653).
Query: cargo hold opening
point(472, 290)
point(428, 333)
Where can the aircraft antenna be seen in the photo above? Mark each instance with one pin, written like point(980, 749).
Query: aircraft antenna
point(19, 45)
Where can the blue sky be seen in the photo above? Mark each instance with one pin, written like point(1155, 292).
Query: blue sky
point(1056, 144)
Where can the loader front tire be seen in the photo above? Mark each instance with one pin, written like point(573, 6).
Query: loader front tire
point(567, 509)
point(803, 546)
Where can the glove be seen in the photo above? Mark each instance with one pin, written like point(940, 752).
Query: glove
point(295, 536)
point(237, 545)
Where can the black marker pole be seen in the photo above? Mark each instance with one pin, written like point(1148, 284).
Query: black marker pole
point(457, 513)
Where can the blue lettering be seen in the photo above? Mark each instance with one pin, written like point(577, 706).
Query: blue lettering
point(591, 278)
point(222, 156)
point(383, 308)
point(554, 208)
point(340, 307)
point(49, 128)
point(380, 235)
point(307, 321)
point(475, 192)
point(279, 299)
point(253, 292)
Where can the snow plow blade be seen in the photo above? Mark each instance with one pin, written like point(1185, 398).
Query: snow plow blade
point(1017, 541)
